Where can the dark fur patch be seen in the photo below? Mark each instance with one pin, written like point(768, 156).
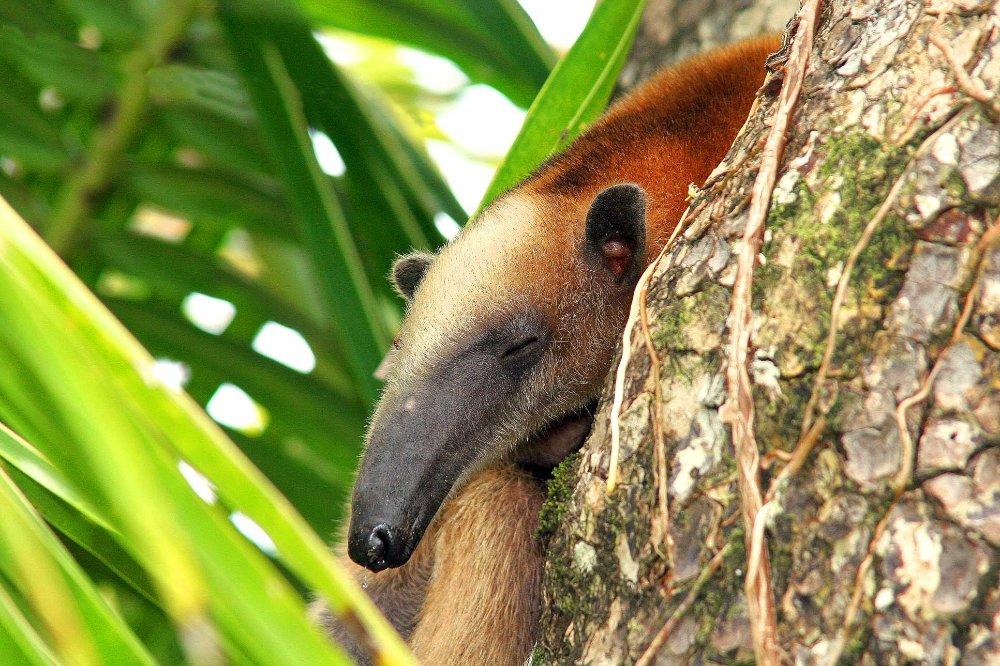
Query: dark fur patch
point(616, 231)
point(408, 272)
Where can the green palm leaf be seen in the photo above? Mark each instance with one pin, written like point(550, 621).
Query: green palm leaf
point(167, 150)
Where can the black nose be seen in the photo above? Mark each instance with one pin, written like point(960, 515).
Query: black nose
point(378, 543)
point(376, 548)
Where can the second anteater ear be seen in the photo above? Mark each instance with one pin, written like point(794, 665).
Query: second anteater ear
point(408, 272)
point(616, 231)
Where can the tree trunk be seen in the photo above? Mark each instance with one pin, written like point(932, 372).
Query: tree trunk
point(875, 330)
point(672, 30)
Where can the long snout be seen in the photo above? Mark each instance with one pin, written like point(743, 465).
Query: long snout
point(418, 448)
point(392, 505)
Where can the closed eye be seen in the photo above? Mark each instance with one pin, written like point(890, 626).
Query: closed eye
point(522, 348)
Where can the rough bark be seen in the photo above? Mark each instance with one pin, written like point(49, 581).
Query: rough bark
point(884, 546)
point(672, 30)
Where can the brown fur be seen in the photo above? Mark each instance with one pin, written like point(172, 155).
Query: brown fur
point(487, 574)
point(398, 593)
point(669, 133)
point(470, 592)
point(479, 562)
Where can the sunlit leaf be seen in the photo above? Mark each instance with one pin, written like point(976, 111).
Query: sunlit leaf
point(80, 626)
point(464, 31)
point(134, 416)
point(196, 126)
point(576, 93)
point(319, 219)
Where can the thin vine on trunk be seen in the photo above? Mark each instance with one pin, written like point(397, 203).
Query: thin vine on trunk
point(873, 380)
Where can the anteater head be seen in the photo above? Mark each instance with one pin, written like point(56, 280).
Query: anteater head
point(510, 330)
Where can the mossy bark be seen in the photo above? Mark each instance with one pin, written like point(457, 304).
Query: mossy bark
point(880, 109)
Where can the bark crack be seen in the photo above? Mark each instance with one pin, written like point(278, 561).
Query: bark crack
point(738, 410)
point(988, 239)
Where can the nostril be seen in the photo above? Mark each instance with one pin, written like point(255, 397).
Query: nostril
point(378, 547)
point(379, 544)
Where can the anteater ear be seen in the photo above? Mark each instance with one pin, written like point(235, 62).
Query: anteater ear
point(408, 272)
point(616, 231)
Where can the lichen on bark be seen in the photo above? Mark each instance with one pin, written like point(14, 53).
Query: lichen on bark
point(885, 546)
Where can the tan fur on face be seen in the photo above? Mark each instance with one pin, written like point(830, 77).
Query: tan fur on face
point(470, 591)
point(527, 248)
point(501, 261)
point(504, 263)
point(526, 251)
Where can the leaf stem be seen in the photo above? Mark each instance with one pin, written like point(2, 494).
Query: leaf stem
point(83, 189)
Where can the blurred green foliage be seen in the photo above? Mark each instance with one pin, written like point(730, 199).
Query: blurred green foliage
point(164, 150)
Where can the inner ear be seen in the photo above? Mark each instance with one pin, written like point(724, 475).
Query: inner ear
point(408, 272)
point(616, 231)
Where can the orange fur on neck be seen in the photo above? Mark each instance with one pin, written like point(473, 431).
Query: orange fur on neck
point(670, 132)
